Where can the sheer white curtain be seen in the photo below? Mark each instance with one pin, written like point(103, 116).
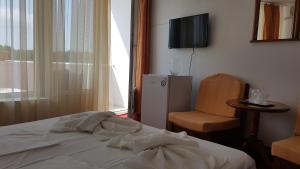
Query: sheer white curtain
point(54, 55)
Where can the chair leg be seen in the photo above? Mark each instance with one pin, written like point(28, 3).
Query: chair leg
point(277, 163)
point(170, 126)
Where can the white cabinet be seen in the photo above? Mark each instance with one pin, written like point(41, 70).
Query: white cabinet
point(163, 94)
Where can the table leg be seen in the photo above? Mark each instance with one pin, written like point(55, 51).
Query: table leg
point(250, 126)
point(254, 124)
point(252, 145)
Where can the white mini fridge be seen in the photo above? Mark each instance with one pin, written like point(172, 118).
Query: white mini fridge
point(162, 94)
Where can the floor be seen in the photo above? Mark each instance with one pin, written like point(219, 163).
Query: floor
point(125, 115)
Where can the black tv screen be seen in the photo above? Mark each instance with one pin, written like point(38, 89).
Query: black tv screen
point(189, 32)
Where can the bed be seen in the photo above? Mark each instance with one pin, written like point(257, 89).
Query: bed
point(81, 149)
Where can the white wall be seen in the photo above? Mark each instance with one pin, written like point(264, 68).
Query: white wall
point(120, 49)
point(272, 67)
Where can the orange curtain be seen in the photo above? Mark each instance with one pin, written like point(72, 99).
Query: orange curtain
point(272, 18)
point(142, 60)
point(276, 21)
point(296, 29)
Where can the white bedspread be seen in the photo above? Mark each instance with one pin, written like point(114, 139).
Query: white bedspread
point(165, 150)
point(85, 148)
point(23, 140)
point(61, 162)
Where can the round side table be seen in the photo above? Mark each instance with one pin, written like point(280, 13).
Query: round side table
point(251, 144)
point(256, 110)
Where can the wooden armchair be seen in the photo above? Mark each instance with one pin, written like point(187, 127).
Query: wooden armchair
point(289, 149)
point(211, 112)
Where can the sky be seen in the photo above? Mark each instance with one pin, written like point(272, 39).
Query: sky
point(6, 23)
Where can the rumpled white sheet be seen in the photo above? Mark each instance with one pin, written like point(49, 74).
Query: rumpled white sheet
point(85, 122)
point(165, 150)
point(61, 162)
point(23, 140)
point(116, 126)
point(103, 125)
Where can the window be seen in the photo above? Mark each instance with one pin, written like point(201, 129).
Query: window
point(69, 59)
point(16, 50)
point(15, 18)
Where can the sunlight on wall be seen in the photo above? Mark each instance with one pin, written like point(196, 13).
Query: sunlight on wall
point(120, 40)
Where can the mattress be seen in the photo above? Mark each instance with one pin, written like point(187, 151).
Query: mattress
point(85, 149)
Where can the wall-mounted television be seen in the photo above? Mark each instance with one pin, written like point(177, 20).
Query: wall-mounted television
point(189, 32)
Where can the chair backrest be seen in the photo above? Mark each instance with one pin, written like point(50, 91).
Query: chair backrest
point(215, 90)
point(297, 128)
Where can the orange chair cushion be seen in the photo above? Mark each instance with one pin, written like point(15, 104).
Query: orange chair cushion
point(203, 122)
point(297, 128)
point(215, 90)
point(288, 149)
